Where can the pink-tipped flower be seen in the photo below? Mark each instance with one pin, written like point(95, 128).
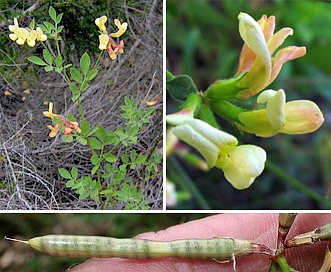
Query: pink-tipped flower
point(259, 62)
point(68, 126)
point(279, 116)
point(54, 130)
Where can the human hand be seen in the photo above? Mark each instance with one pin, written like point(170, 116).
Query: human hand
point(261, 228)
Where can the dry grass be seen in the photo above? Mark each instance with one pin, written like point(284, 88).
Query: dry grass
point(30, 160)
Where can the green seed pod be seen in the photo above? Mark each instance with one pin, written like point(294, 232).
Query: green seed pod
point(285, 222)
point(222, 249)
point(320, 234)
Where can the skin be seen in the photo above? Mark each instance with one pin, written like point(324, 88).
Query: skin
point(263, 230)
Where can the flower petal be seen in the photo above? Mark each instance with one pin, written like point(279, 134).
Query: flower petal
point(302, 116)
point(103, 40)
point(276, 110)
point(251, 33)
point(245, 163)
point(278, 38)
point(282, 56)
point(205, 138)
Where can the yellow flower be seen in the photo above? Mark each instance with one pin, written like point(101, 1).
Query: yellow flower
point(40, 35)
point(279, 116)
point(100, 22)
point(50, 113)
point(20, 35)
point(240, 164)
point(121, 29)
point(103, 39)
point(31, 38)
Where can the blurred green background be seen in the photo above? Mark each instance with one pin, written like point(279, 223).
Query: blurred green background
point(18, 257)
point(203, 41)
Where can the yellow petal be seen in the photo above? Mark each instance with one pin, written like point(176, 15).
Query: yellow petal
point(103, 39)
point(276, 110)
point(121, 28)
point(244, 163)
point(302, 116)
point(100, 22)
point(251, 33)
point(205, 138)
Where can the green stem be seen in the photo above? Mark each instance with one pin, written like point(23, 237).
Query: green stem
point(282, 262)
point(169, 75)
point(187, 183)
point(225, 109)
point(81, 112)
point(297, 184)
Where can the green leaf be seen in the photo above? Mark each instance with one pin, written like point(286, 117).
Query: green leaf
point(76, 75)
point(84, 86)
point(71, 118)
point(70, 183)
point(37, 61)
point(60, 28)
point(49, 26)
point(67, 66)
point(58, 70)
point(74, 172)
point(92, 74)
point(111, 139)
point(85, 128)
point(101, 134)
point(58, 61)
point(95, 143)
point(48, 57)
point(67, 139)
point(64, 173)
point(124, 158)
point(49, 68)
point(52, 13)
point(133, 155)
point(75, 97)
point(81, 140)
point(141, 159)
point(95, 169)
point(85, 63)
point(95, 159)
point(32, 24)
point(93, 131)
point(58, 19)
point(180, 87)
point(74, 89)
point(110, 158)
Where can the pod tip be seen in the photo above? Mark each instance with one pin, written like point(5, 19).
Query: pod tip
point(16, 240)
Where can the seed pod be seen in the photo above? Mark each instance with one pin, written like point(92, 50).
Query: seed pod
point(221, 249)
point(320, 234)
point(285, 222)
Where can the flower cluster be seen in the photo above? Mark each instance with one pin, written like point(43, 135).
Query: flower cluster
point(22, 35)
point(61, 121)
point(105, 40)
point(259, 65)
